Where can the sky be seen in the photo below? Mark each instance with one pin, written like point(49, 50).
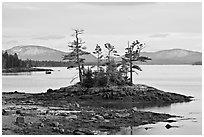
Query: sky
point(160, 25)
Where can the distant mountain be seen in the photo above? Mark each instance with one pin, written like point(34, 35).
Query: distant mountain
point(163, 57)
point(41, 53)
point(171, 57)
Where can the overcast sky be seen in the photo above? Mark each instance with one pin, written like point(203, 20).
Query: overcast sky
point(159, 25)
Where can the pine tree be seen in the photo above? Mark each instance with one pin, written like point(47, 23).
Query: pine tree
point(75, 55)
point(133, 55)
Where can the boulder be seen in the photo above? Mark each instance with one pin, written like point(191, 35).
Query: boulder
point(18, 112)
point(55, 124)
point(134, 109)
point(61, 130)
point(168, 126)
point(20, 120)
point(170, 120)
point(55, 129)
point(71, 117)
point(122, 115)
point(49, 90)
point(145, 122)
point(82, 132)
point(99, 117)
point(4, 112)
point(41, 125)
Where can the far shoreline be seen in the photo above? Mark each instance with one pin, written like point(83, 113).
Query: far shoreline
point(18, 70)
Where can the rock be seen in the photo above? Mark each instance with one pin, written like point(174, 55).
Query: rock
point(122, 115)
point(146, 128)
point(71, 117)
point(4, 102)
point(170, 120)
point(63, 114)
point(106, 120)
point(93, 119)
point(4, 112)
point(18, 112)
point(82, 132)
point(145, 122)
point(77, 105)
point(61, 130)
point(20, 120)
point(108, 126)
point(55, 129)
point(168, 126)
point(49, 90)
point(30, 102)
point(134, 108)
point(108, 116)
point(85, 97)
point(41, 125)
point(55, 124)
point(47, 112)
point(99, 117)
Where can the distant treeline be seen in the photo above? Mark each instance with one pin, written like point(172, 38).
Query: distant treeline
point(197, 63)
point(49, 63)
point(12, 61)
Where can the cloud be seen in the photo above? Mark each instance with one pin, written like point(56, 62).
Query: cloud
point(159, 35)
point(118, 3)
point(50, 37)
point(20, 6)
point(10, 42)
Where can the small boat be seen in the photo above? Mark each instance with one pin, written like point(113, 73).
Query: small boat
point(47, 72)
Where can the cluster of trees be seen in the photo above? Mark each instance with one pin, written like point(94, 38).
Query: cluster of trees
point(108, 73)
point(11, 61)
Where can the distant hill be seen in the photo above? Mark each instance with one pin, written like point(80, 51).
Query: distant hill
point(41, 53)
point(163, 57)
point(171, 57)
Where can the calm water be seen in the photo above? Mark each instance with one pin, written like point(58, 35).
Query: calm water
point(186, 80)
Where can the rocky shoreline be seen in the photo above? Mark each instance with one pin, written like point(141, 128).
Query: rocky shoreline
point(74, 110)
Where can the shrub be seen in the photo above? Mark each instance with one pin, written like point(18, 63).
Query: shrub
point(88, 80)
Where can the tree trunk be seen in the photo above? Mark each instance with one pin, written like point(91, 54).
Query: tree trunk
point(130, 65)
point(79, 67)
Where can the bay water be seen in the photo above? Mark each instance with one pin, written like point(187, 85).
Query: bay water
point(183, 79)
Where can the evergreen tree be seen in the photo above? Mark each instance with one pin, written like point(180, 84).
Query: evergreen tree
point(75, 55)
point(133, 55)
